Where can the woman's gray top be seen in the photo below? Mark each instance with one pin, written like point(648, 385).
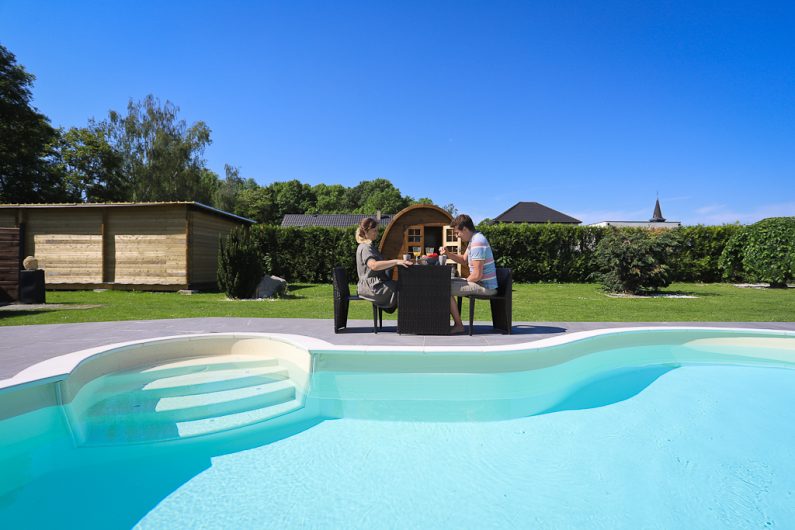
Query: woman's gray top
point(373, 285)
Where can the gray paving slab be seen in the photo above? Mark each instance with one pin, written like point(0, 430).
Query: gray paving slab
point(24, 346)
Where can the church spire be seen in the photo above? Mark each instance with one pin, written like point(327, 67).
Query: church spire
point(657, 215)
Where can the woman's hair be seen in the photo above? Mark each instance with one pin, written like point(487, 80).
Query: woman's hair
point(361, 231)
point(463, 221)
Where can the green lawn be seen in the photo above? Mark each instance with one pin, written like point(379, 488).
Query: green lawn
point(531, 303)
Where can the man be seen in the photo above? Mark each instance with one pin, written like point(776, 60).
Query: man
point(482, 279)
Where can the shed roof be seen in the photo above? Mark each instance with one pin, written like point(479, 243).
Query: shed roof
point(533, 212)
point(190, 204)
point(343, 220)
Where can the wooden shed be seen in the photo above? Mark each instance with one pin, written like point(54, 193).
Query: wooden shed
point(420, 229)
point(148, 246)
point(10, 263)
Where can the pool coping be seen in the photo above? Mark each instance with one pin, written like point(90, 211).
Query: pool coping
point(59, 367)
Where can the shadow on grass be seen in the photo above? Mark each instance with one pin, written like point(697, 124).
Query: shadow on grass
point(651, 295)
point(291, 296)
point(8, 314)
point(700, 294)
point(298, 286)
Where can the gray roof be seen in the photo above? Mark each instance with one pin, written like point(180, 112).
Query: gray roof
point(78, 205)
point(533, 212)
point(343, 220)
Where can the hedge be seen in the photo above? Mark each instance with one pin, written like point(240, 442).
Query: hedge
point(545, 253)
point(536, 253)
point(305, 254)
point(763, 252)
point(699, 250)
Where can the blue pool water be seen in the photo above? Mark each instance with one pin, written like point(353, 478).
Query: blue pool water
point(654, 446)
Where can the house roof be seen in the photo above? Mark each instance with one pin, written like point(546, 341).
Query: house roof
point(190, 204)
point(533, 212)
point(343, 220)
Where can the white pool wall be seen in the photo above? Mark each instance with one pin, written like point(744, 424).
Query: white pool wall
point(40, 385)
point(59, 380)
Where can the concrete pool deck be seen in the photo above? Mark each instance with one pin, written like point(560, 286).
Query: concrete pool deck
point(24, 346)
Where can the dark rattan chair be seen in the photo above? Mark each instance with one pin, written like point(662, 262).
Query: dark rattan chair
point(501, 303)
point(343, 298)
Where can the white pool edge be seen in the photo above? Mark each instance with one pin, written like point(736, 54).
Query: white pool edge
point(60, 367)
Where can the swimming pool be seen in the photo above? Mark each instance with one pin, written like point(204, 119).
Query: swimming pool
point(650, 428)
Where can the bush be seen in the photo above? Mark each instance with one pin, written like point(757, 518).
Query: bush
point(769, 254)
point(239, 266)
point(634, 260)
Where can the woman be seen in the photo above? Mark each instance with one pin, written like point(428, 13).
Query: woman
point(374, 282)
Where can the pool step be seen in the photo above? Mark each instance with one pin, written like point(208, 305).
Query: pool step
point(134, 380)
point(215, 380)
point(184, 399)
point(203, 363)
point(239, 419)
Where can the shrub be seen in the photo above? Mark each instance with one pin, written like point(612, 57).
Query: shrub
point(769, 254)
point(239, 266)
point(634, 260)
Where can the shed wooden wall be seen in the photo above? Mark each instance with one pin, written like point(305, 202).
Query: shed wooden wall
point(9, 264)
point(8, 218)
point(165, 247)
point(205, 229)
point(68, 247)
point(147, 246)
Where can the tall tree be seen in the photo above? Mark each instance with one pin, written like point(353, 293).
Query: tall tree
point(331, 198)
point(451, 209)
point(162, 155)
point(258, 204)
point(379, 194)
point(225, 194)
point(292, 197)
point(26, 140)
point(91, 166)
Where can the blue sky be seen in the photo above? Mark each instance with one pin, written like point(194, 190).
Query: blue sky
point(591, 108)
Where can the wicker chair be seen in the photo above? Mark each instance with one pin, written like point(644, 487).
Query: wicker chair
point(501, 303)
point(342, 299)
